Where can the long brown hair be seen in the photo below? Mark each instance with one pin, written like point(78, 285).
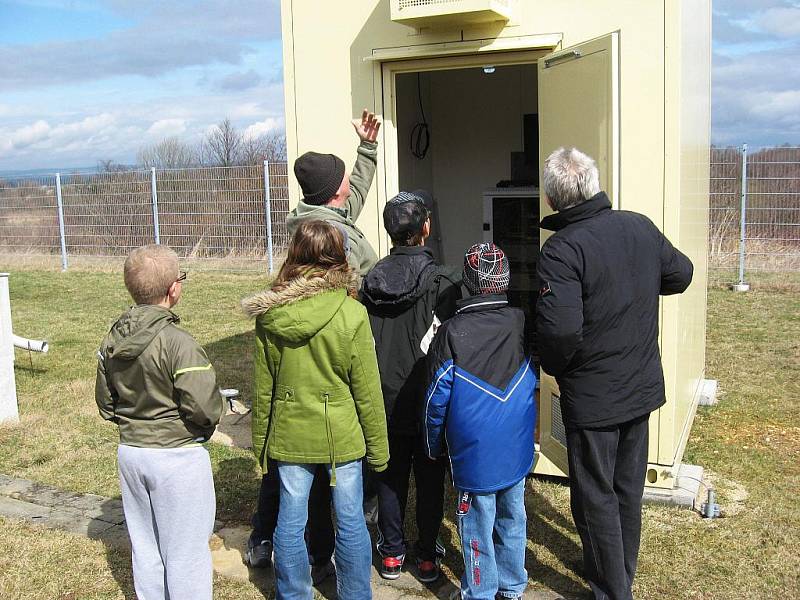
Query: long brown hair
point(316, 248)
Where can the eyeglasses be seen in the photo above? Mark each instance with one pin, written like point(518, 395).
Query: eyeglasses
point(181, 276)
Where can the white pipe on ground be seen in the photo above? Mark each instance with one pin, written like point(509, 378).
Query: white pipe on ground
point(32, 345)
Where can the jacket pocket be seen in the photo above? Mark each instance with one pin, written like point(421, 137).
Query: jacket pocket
point(284, 396)
point(345, 427)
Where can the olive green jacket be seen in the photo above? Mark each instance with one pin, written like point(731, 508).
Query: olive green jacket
point(317, 396)
point(155, 382)
point(362, 257)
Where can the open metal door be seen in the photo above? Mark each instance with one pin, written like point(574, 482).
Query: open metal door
point(578, 106)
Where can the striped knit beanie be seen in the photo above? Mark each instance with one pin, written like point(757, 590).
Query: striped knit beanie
point(486, 269)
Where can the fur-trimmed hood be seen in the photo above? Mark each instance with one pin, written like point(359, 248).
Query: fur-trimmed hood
point(303, 307)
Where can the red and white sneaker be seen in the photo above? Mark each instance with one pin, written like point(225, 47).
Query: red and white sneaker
point(391, 566)
point(428, 570)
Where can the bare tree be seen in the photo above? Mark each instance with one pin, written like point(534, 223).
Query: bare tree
point(169, 153)
point(222, 145)
point(269, 146)
point(110, 166)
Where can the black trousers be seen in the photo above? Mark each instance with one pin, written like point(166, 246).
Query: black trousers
point(320, 535)
point(406, 453)
point(607, 469)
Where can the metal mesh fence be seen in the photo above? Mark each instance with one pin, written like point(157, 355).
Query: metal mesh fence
point(220, 214)
point(223, 214)
point(29, 216)
point(758, 230)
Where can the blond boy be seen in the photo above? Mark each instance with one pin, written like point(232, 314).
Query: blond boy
point(156, 383)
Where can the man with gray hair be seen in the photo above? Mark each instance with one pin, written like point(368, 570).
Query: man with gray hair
point(601, 275)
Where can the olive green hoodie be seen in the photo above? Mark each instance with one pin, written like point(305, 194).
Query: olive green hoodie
point(361, 257)
point(156, 382)
point(317, 388)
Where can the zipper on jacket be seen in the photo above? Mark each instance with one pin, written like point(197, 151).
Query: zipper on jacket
point(331, 445)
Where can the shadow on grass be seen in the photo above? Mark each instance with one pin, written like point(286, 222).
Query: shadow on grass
point(545, 529)
point(232, 358)
point(109, 528)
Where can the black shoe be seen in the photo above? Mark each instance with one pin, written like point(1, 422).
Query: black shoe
point(258, 556)
point(391, 566)
point(428, 570)
point(320, 573)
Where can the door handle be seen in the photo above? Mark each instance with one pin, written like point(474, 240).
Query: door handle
point(571, 55)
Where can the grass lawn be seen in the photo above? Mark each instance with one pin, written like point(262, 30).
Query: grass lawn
point(749, 443)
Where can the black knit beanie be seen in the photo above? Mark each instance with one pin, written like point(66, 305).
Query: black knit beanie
point(319, 176)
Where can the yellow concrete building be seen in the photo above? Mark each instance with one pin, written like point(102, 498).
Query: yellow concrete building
point(474, 93)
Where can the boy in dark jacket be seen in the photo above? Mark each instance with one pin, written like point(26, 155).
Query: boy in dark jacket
point(407, 296)
point(481, 399)
point(157, 384)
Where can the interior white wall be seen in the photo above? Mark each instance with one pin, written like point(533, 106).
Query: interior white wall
point(475, 122)
point(414, 173)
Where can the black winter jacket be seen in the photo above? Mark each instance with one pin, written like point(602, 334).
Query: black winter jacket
point(601, 274)
point(402, 293)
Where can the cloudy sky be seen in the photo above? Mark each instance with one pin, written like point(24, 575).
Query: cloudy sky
point(88, 80)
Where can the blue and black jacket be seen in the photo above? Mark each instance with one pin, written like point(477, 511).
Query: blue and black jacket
point(480, 402)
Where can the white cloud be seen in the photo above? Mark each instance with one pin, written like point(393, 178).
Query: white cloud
point(40, 138)
point(777, 106)
point(164, 37)
point(166, 128)
point(30, 134)
point(782, 22)
point(268, 125)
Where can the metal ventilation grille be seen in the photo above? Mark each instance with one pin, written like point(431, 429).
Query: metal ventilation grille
point(412, 3)
point(557, 423)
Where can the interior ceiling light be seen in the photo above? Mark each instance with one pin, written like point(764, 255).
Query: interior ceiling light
point(488, 69)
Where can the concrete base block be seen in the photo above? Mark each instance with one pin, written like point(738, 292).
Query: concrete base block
point(740, 287)
point(708, 393)
point(685, 492)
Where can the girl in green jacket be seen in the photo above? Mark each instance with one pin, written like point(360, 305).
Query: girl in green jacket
point(317, 402)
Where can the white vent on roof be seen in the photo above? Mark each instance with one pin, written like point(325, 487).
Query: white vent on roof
point(431, 13)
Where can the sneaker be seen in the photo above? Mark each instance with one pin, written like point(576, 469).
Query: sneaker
point(258, 556)
point(428, 570)
point(391, 566)
point(320, 573)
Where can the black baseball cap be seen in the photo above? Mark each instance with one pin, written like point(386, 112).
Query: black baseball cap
point(404, 215)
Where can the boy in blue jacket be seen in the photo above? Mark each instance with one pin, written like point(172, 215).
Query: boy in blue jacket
point(480, 405)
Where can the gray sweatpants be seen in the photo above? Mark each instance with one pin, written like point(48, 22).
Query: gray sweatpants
point(170, 505)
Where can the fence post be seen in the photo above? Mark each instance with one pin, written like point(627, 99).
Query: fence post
point(740, 285)
point(154, 195)
point(61, 233)
point(268, 214)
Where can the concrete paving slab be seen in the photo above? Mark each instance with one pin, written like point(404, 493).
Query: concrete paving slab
point(10, 485)
point(234, 431)
point(685, 492)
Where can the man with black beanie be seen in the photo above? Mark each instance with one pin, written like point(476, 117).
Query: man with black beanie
point(329, 194)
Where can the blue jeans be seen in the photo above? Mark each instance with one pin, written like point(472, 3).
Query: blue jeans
point(353, 554)
point(493, 538)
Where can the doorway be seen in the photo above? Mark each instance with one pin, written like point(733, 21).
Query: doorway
point(472, 130)
point(470, 138)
